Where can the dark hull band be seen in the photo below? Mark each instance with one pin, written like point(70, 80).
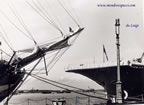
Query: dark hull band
point(9, 83)
point(132, 77)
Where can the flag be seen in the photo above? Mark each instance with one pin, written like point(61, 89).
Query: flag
point(104, 52)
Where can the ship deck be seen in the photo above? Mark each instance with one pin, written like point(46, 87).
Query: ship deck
point(103, 65)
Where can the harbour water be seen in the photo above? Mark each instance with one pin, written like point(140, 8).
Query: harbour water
point(50, 99)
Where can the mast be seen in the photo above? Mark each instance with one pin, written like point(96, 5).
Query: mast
point(118, 83)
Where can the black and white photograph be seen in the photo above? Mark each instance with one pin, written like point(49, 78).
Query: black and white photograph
point(71, 52)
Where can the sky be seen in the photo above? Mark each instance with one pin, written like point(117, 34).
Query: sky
point(99, 30)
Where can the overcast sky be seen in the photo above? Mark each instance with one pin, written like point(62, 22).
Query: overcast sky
point(99, 29)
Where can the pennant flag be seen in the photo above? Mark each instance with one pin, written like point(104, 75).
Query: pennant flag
point(104, 52)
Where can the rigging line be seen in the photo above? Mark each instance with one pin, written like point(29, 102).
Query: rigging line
point(73, 9)
point(39, 69)
point(48, 16)
point(58, 58)
point(53, 59)
point(35, 73)
point(45, 14)
point(59, 83)
point(24, 79)
point(68, 13)
point(22, 23)
point(66, 88)
point(39, 13)
point(75, 38)
point(52, 40)
point(47, 80)
point(5, 39)
point(62, 53)
point(56, 61)
point(5, 52)
point(48, 58)
point(63, 84)
point(14, 24)
point(42, 16)
point(49, 5)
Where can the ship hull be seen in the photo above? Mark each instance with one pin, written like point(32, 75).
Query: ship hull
point(8, 83)
point(132, 78)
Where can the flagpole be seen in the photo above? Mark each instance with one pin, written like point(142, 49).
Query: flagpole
point(104, 54)
point(118, 83)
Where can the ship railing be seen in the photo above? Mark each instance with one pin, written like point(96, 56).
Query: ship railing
point(94, 65)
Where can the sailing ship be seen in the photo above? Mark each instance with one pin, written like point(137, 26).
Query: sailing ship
point(131, 77)
point(12, 71)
